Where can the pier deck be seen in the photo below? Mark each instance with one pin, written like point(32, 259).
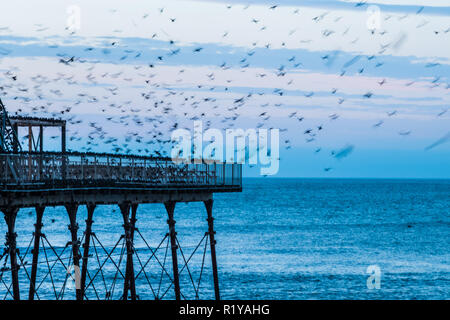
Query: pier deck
point(52, 179)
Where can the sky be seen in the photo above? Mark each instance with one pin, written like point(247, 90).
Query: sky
point(357, 89)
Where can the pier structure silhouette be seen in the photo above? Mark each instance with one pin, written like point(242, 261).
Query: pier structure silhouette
point(38, 179)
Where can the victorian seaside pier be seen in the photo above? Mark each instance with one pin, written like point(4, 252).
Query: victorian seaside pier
point(38, 179)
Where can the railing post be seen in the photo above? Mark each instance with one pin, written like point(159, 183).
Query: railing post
point(240, 175)
point(224, 173)
point(95, 167)
point(82, 167)
point(108, 169)
point(165, 175)
point(40, 166)
point(53, 168)
point(145, 170)
point(232, 173)
point(30, 149)
point(63, 151)
point(41, 139)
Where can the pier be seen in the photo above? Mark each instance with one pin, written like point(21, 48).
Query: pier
point(38, 179)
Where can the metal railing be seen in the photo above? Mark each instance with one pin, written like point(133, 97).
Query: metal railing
point(110, 170)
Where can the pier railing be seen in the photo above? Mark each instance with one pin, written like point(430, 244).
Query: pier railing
point(58, 169)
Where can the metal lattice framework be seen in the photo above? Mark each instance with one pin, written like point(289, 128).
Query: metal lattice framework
point(9, 141)
point(89, 269)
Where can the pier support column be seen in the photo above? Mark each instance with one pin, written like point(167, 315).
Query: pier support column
point(87, 240)
point(133, 220)
point(170, 208)
point(129, 225)
point(37, 238)
point(72, 209)
point(212, 242)
point(10, 218)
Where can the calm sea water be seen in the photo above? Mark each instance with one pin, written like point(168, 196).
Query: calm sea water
point(279, 239)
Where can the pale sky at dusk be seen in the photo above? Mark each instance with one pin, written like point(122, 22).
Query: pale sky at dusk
point(300, 66)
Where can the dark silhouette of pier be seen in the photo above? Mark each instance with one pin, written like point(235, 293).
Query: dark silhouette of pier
point(38, 179)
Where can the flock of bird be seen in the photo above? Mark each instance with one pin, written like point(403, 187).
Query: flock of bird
point(167, 108)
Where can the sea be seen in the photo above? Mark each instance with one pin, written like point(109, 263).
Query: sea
point(281, 239)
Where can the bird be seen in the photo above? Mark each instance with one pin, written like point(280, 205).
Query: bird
point(134, 90)
point(378, 124)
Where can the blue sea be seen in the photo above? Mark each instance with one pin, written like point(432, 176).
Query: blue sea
point(278, 239)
